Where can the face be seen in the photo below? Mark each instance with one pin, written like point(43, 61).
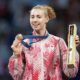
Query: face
point(38, 19)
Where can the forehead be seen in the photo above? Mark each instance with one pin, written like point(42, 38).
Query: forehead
point(37, 12)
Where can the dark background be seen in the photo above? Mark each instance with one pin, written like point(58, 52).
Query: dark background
point(14, 19)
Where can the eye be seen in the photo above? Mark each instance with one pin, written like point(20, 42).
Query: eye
point(38, 16)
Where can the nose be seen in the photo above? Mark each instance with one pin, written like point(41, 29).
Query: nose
point(35, 20)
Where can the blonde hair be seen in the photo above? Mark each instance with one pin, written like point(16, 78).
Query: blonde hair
point(49, 10)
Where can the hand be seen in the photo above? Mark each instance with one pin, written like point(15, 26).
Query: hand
point(77, 40)
point(16, 46)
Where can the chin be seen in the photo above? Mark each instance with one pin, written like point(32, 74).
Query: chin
point(37, 29)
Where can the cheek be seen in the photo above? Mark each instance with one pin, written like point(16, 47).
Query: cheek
point(43, 22)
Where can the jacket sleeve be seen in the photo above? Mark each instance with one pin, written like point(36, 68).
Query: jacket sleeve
point(70, 72)
point(16, 66)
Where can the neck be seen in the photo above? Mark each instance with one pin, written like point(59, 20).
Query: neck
point(41, 32)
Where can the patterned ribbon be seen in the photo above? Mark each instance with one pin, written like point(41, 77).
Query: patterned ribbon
point(31, 37)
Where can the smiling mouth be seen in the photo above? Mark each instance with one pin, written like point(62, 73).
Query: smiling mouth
point(35, 25)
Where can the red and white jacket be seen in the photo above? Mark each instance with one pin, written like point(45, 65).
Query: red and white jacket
point(42, 61)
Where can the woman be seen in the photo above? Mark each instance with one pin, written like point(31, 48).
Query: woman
point(42, 60)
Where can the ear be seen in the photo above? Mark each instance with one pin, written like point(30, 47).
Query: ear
point(47, 19)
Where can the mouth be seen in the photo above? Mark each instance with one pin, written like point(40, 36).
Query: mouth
point(35, 25)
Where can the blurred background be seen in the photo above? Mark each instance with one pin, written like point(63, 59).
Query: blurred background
point(14, 19)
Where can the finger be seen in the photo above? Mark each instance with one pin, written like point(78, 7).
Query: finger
point(69, 49)
point(77, 37)
point(77, 43)
point(17, 49)
point(15, 43)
